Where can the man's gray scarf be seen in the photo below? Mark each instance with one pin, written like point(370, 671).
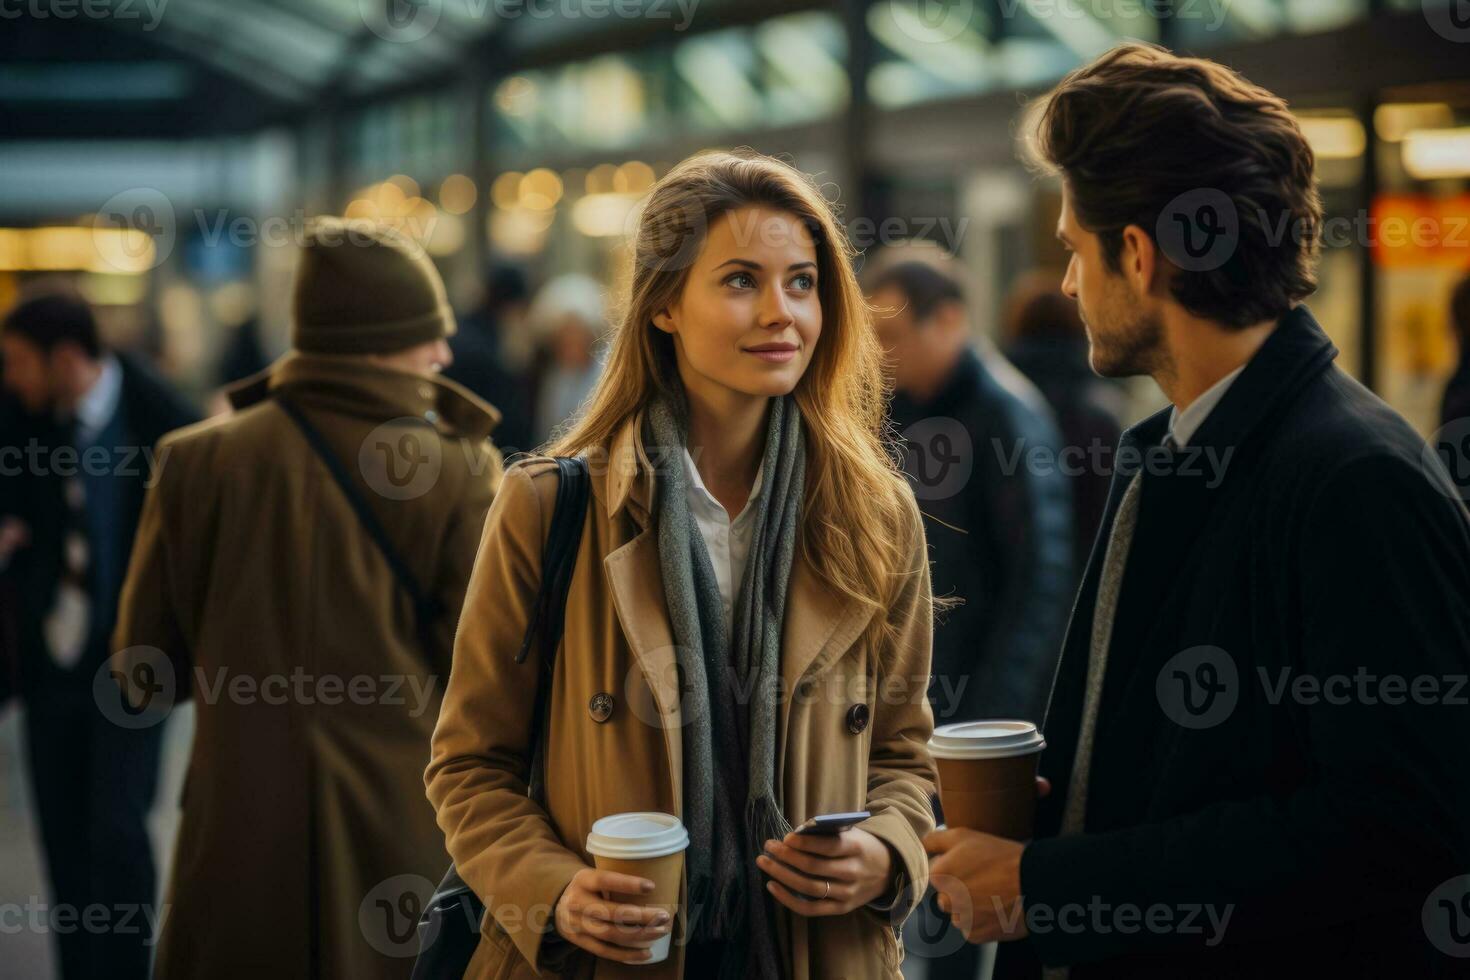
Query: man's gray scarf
point(732, 804)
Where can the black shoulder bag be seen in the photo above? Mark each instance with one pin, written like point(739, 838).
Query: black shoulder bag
point(449, 930)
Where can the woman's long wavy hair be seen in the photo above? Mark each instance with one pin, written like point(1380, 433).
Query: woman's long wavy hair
point(854, 517)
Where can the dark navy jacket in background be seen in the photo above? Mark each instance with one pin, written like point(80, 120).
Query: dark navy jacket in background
point(1000, 537)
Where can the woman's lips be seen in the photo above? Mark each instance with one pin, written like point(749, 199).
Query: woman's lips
point(776, 355)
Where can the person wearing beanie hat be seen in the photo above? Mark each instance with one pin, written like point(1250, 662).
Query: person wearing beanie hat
point(305, 843)
point(365, 288)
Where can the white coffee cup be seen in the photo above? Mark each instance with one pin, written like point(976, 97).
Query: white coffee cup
point(645, 845)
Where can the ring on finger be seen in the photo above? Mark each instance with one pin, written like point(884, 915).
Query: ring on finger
point(828, 893)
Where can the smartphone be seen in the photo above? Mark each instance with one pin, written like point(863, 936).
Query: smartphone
point(831, 824)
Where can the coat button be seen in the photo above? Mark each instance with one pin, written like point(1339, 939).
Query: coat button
point(601, 707)
point(857, 718)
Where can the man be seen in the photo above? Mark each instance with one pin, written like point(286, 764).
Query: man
point(999, 529)
point(479, 360)
point(76, 472)
point(1456, 404)
point(317, 661)
point(1242, 786)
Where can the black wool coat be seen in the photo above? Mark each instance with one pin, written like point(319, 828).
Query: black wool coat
point(1282, 731)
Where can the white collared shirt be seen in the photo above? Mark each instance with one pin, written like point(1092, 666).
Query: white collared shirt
point(1183, 425)
point(727, 541)
point(96, 408)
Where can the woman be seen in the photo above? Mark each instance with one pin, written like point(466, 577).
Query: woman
point(744, 675)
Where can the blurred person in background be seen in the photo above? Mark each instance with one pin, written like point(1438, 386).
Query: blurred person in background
point(569, 318)
point(1243, 783)
point(14, 534)
point(1456, 404)
point(479, 361)
point(1046, 341)
point(304, 836)
point(1000, 535)
point(75, 488)
point(243, 354)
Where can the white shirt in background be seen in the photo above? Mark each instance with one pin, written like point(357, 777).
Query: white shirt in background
point(97, 407)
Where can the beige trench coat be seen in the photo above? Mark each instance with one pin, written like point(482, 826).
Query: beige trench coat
point(618, 644)
point(304, 839)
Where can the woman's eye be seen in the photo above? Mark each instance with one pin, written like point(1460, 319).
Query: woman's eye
point(742, 279)
point(803, 282)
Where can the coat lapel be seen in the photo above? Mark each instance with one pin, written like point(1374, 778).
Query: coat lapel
point(820, 624)
point(1178, 499)
point(636, 580)
point(624, 481)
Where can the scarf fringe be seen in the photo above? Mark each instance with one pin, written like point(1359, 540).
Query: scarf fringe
point(764, 821)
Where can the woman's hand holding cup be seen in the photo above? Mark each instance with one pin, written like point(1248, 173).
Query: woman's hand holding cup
point(587, 916)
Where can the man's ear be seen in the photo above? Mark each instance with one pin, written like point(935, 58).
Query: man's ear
point(1141, 260)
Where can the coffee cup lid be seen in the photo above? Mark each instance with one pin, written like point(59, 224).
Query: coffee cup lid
point(985, 740)
point(637, 835)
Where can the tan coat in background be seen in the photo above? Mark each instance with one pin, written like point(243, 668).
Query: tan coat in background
point(305, 844)
point(618, 648)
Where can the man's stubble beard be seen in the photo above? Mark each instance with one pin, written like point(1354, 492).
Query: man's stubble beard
point(1132, 346)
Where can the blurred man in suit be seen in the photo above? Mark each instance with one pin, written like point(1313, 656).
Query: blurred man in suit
point(95, 417)
point(999, 529)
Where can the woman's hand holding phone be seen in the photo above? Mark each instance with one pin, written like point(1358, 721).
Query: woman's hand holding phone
point(827, 875)
point(588, 916)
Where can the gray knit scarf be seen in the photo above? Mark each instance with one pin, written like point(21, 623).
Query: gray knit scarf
point(732, 804)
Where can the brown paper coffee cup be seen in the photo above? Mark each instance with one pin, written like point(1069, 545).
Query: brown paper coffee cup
point(645, 845)
point(987, 775)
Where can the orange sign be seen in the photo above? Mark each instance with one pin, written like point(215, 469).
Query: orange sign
point(1416, 230)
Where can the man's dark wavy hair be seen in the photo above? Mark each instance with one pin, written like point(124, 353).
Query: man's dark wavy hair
point(1139, 126)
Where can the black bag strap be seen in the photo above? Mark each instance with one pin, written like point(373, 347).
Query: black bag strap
point(548, 615)
point(558, 556)
point(427, 608)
